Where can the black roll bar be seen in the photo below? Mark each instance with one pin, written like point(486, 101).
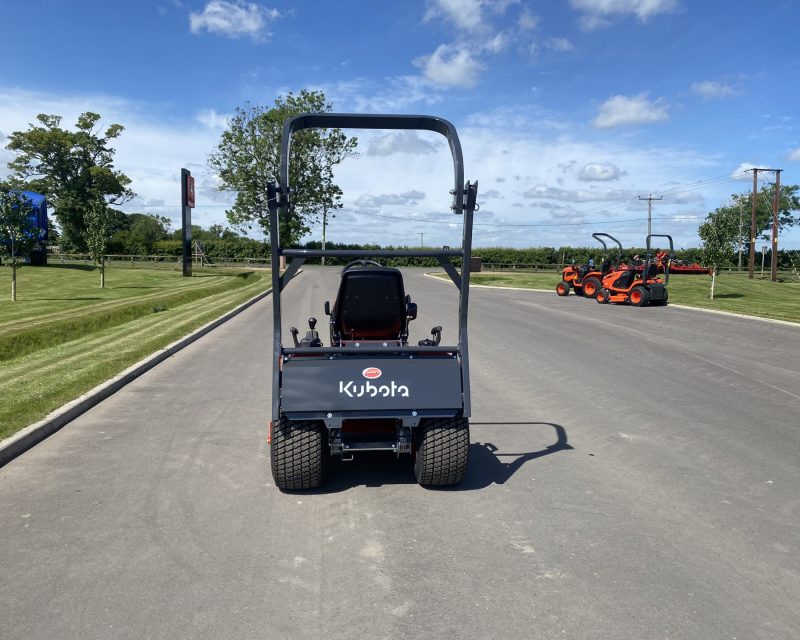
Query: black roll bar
point(464, 202)
point(647, 260)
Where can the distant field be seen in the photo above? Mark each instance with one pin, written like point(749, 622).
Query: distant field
point(734, 292)
point(65, 335)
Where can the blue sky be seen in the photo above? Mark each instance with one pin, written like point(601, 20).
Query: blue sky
point(567, 111)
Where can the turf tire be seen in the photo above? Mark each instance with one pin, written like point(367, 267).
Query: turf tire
point(660, 303)
point(562, 288)
point(442, 451)
point(591, 286)
point(603, 296)
point(639, 296)
point(299, 454)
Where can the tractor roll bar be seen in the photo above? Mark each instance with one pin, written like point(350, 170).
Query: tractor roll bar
point(377, 121)
point(464, 202)
point(647, 260)
point(597, 237)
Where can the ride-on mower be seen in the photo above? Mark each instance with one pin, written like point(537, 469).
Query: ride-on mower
point(369, 390)
point(640, 288)
point(585, 279)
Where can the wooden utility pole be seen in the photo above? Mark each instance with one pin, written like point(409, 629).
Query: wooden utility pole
point(751, 263)
point(650, 199)
point(775, 207)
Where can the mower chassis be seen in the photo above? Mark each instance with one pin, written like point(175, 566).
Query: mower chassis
point(423, 390)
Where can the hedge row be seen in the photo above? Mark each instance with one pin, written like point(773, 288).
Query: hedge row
point(242, 248)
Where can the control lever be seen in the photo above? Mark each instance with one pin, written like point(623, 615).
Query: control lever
point(436, 332)
point(312, 336)
point(294, 335)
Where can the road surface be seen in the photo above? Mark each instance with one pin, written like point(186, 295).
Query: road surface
point(634, 473)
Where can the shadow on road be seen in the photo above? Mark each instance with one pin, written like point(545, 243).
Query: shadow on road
point(487, 466)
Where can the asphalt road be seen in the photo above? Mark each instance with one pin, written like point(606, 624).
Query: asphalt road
point(634, 473)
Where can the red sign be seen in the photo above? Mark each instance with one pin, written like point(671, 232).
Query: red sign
point(190, 192)
point(372, 373)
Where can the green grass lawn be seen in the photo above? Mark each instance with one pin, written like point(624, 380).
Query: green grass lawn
point(65, 335)
point(734, 292)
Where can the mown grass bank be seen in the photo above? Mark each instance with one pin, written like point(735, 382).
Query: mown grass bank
point(65, 335)
point(733, 292)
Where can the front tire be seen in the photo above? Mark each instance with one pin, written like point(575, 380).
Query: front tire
point(562, 288)
point(603, 296)
point(442, 451)
point(591, 286)
point(639, 296)
point(298, 454)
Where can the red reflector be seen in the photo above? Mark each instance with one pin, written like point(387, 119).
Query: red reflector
point(269, 433)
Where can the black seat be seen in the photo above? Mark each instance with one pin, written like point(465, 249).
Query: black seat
point(370, 305)
point(625, 279)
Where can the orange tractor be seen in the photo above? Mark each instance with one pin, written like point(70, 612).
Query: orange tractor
point(585, 279)
point(639, 288)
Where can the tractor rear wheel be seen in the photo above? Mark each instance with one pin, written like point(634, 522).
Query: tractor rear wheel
point(562, 288)
point(639, 296)
point(662, 302)
point(442, 451)
point(298, 454)
point(591, 286)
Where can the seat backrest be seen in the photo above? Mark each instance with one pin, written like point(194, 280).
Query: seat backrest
point(370, 304)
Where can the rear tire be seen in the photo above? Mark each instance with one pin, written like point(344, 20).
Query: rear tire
point(562, 288)
point(591, 286)
point(660, 303)
point(442, 451)
point(298, 454)
point(639, 296)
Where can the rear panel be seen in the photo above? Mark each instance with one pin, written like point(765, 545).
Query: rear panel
point(371, 384)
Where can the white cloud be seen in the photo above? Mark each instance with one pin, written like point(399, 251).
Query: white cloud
point(624, 110)
point(578, 195)
point(451, 66)
point(711, 89)
point(559, 44)
point(213, 120)
point(600, 172)
point(406, 142)
point(369, 201)
point(597, 14)
point(465, 14)
point(794, 156)
point(528, 20)
point(233, 19)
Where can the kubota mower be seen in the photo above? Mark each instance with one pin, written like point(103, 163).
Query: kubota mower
point(585, 279)
point(639, 288)
point(369, 390)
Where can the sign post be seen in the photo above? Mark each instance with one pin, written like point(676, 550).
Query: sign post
point(187, 204)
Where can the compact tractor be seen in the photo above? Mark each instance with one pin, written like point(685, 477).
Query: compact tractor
point(639, 287)
point(369, 389)
point(585, 279)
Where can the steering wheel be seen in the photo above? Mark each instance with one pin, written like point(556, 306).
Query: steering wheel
point(361, 263)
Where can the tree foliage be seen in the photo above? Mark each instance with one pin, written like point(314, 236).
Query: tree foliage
point(72, 168)
point(788, 210)
point(97, 220)
point(18, 231)
point(248, 156)
point(719, 234)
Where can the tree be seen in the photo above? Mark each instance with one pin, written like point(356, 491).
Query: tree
point(70, 167)
point(97, 220)
point(719, 233)
point(248, 156)
point(146, 229)
point(18, 231)
point(788, 210)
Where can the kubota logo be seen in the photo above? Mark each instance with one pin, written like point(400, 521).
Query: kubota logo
point(372, 373)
